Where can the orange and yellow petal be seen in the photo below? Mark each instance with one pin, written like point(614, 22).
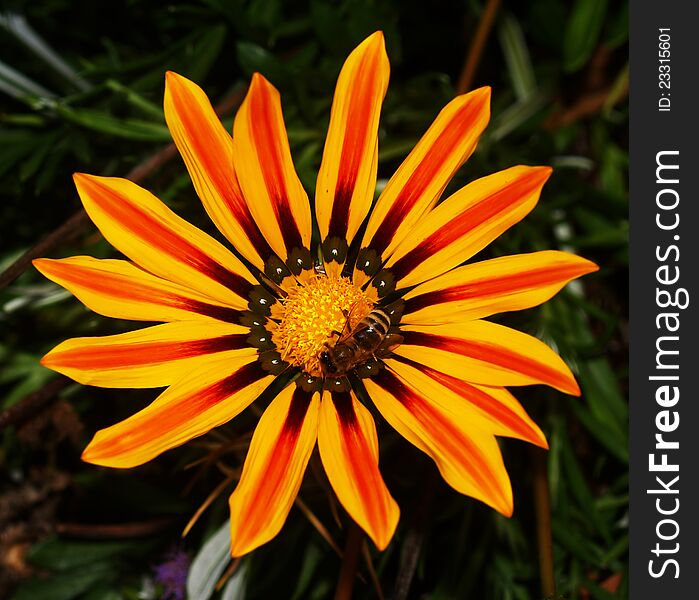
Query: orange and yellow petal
point(349, 450)
point(465, 223)
point(467, 456)
point(152, 357)
point(198, 402)
point(488, 354)
point(496, 410)
point(420, 180)
point(276, 461)
point(493, 286)
point(120, 289)
point(266, 172)
point(347, 175)
point(140, 226)
point(207, 150)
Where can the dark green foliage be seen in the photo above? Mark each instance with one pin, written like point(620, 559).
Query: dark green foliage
point(103, 115)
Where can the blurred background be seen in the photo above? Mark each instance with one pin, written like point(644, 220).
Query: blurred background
point(81, 85)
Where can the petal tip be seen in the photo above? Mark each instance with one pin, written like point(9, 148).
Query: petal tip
point(383, 538)
point(82, 180)
point(543, 172)
point(90, 456)
point(376, 39)
point(589, 266)
point(572, 388)
point(40, 264)
point(507, 510)
point(481, 94)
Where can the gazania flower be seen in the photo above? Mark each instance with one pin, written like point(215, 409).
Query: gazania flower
point(380, 305)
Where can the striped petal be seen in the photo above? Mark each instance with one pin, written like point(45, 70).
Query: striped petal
point(493, 286)
point(486, 353)
point(207, 150)
point(120, 289)
point(276, 461)
point(347, 175)
point(140, 226)
point(151, 357)
point(200, 401)
point(349, 450)
point(421, 179)
point(465, 223)
point(495, 409)
point(467, 456)
point(266, 173)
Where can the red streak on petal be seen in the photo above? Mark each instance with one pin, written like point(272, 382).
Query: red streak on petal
point(267, 140)
point(496, 355)
point(361, 461)
point(514, 193)
point(501, 286)
point(159, 236)
point(109, 356)
point(118, 286)
point(451, 135)
point(221, 173)
point(276, 469)
point(500, 412)
point(443, 435)
point(144, 429)
point(358, 116)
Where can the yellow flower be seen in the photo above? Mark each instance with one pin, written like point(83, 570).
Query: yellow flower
point(383, 307)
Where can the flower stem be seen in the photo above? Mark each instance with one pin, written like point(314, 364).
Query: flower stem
point(350, 560)
point(542, 504)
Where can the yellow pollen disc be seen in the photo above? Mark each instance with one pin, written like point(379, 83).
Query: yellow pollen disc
point(311, 313)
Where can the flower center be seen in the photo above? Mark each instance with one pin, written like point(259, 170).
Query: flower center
point(313, 315)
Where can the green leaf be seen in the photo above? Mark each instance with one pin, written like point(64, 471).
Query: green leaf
point(579, 488)
point(255, 59)
point(208, 565)
point(64, 586)
point(519, 64)
point(582, 32)
point(61, 555)
point(202, 54)
point(132, 129)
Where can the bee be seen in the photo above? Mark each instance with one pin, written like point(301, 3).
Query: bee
point(369, 339)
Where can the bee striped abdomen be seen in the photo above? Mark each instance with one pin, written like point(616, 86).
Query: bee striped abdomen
point(371, 330)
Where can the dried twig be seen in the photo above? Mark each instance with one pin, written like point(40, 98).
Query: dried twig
point(230, 571)
point(587, 106)
point(475, 51)
point(30, 405)
point(115, 530)
point(319, 527)
point(218, 490)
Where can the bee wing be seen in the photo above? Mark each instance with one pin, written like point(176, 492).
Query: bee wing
point(347, 327)
point(389, 344)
